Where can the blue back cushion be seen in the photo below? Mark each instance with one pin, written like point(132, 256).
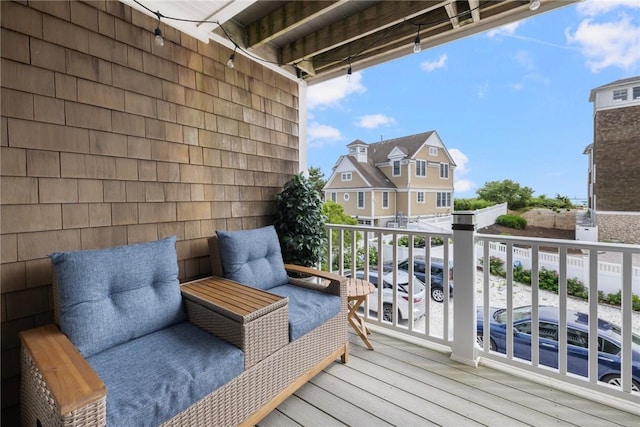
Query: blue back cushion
point(110, 296)
point(252, 257)
point(153, 378)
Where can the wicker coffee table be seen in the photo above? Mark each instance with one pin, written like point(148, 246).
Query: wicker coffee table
point(357, 291)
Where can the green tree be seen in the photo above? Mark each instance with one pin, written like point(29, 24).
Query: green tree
point(335, 215)
point(317, 181)
point(507, 191)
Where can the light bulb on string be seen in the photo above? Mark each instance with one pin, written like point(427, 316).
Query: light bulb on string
point(534, 4)
point(158, 40)
point(417, 47)
point(349, 72)
point(231, 62)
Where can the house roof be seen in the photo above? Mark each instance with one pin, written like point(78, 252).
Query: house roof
point(409, 145)
point(621, 82)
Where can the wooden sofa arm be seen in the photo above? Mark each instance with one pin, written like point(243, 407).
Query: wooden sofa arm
point(68, 378)
point(331, 282)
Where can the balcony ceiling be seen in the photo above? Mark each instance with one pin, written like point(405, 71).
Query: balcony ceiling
point(321, 38)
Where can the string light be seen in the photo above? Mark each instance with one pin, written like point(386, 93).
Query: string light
point(534, 4)
point(231, 63)
point(158, 40)
point(417, 47)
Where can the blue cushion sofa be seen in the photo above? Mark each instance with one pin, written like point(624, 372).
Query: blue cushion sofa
point(128, 349)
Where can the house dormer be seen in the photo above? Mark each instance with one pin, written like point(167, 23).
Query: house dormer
point(359, 150)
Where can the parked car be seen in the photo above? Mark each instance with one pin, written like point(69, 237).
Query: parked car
point(609, 341)
point(402, 301)
point(437, 275)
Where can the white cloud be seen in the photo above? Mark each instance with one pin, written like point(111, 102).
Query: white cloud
point(463, 186)
point(319, 135)
point(331, 92)
point(461, 161)
point(598, 7)
point(441, 62)
point(608, 44)
point(505, 30)
point(516, 87)
point(372, 121)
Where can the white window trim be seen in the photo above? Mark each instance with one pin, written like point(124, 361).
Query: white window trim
point(346, 197)
point(433, 151)
point(633, 92)
point(346, 176)
point(447, 169)
point(334, 196)
point(418, 194)
point(439, 197)
point(424, 168)
point(383, 204)
point(393, 168)
point(358, 200)
point(620, 93)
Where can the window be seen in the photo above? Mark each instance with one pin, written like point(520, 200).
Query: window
point(420, 196)
point(577, 338)
point(421, 168)
point(346, 197)
point(360, 199)
point(443, 199)
point(334, 196)
point(636, 92)
point(444, 170)
point(433, 151)
point(620, 95)
point(396, 168)
point(385, 200)
point(549, 331)
point(346, 176)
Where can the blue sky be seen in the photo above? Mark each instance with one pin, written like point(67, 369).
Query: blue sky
point(511, 103)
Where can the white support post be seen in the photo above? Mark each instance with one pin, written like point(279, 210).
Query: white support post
point(464, 288)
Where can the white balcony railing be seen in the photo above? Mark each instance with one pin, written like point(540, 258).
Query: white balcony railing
point(455, 325)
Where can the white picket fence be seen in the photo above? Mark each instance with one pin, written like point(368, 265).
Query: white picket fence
point(609, 274)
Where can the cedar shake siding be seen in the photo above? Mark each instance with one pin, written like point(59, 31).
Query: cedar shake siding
point(107, 139)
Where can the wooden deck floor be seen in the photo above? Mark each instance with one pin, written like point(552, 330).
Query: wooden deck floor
point(406, 385)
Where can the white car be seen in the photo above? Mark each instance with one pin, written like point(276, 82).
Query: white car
point(403, 295)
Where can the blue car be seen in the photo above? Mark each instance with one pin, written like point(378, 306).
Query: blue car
point(609, 341)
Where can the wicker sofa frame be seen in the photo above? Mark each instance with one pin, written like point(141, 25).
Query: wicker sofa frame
point(59, 388)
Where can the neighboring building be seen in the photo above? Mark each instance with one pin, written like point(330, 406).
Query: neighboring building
point(614, 161)
point(394, 181)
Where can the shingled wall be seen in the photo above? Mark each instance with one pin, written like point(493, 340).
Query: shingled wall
point(108, 140)
point(617, 176)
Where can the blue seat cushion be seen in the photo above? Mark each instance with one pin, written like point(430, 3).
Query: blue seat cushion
point(252, 257)
point(308, 308)
point(152, 378)
point(110, 296)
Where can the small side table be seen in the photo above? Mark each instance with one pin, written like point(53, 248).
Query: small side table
point(357, 291)
point(249, 318)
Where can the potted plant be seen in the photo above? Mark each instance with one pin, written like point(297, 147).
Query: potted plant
point(300, 222)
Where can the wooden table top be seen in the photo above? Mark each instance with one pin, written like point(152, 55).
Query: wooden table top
point(244, 301)
point(359, 288)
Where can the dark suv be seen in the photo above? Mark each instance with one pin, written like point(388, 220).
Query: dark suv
point(437, 268)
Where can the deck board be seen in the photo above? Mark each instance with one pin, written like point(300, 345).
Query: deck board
point(400, 383)
point(525, 393)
